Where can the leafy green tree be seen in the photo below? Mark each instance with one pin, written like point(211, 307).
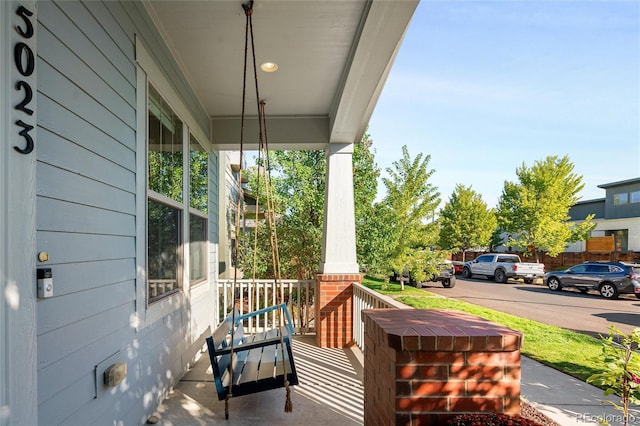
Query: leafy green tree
point(411, 201)
point(372, 230)
point(297, 193)
point(465, 221)
point(535, 210)
point(298, 188)
point(496, 238)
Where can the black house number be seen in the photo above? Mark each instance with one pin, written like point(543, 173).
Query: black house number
point(25, 63)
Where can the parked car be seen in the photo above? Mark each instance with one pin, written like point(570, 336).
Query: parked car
point(446, 276)
point(609, 278)
point(457, 266)
point(502, 266)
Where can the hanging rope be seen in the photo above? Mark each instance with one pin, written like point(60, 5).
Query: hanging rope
point(270, 209)
point(248, 10)
point(275, 251)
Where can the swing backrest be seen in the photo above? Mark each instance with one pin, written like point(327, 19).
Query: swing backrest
point(257, 358)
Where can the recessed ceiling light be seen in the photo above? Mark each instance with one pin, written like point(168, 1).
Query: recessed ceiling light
point(269, 67)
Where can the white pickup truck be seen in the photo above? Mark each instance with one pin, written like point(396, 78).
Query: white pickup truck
point(501, 266)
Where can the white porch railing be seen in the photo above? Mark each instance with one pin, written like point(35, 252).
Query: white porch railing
point(299, 295)
point(364, 298)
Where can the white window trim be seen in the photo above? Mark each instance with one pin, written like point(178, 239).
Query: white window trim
point(148, 72)
point(199, 213)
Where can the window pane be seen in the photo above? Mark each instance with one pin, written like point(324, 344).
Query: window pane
point(620, 199)
point(197, 248)
point(198, 165)
point(165, 148)
point(635, 197)
point(163, 236)
point(579, 269)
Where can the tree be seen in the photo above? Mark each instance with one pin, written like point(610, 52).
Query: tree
point(496, 238)
point(465, 221)
point(297, 190)
point(410, 204)
point(372, 230)
point(535, 211)
point(298, 187)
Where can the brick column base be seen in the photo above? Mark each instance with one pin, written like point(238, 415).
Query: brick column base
point(334, 310)
point(424, 367)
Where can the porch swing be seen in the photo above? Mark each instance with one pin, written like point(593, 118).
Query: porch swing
point(242, 363)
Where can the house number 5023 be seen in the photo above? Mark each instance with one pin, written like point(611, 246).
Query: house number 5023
point(25, 63)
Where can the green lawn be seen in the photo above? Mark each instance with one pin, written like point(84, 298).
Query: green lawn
point(573, 353)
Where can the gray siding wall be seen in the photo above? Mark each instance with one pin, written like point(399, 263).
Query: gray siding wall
point(580, 211)
point(624, 211)
point(86, 206)
point(18, 339)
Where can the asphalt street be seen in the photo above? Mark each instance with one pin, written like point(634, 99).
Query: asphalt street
point(586, 313)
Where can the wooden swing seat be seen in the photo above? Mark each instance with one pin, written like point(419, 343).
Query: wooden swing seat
point(257, 358)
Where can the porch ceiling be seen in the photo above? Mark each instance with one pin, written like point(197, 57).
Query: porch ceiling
point(333, 59)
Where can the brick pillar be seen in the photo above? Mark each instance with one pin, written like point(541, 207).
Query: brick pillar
point(334, 309)
point(423, 367)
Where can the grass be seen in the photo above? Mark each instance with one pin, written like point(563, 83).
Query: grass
point(576, 354)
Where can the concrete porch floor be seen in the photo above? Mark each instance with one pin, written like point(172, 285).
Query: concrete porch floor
point(330, 392)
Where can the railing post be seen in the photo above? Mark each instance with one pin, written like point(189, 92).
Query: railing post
point(364, 298)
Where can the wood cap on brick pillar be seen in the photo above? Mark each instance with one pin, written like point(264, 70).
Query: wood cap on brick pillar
point(443, 331)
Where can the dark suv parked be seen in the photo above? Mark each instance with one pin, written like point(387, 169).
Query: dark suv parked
point(609, 278)
point(446, 276)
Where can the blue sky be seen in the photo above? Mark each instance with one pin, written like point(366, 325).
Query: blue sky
point(483, 86)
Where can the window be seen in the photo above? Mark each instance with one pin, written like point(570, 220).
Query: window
point(198, 203)
point(164, 199)
point(598, 269)
point(579, 269)
point(620, 199)
point(635, 197)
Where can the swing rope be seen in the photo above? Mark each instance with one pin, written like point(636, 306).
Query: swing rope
point(236, 299)
point(275, 250)
point(263, 148)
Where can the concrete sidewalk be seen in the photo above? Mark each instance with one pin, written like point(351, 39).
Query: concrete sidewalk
point(331, 393)
point(566, 399)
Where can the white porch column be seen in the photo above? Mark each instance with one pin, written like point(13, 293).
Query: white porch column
point(339, 233)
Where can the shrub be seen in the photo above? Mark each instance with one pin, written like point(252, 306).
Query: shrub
point(622, 377)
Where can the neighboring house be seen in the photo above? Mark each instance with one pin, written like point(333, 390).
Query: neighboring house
point(114, 116)
point(617, 215)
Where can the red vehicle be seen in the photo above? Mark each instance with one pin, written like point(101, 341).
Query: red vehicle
point(457, 266)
